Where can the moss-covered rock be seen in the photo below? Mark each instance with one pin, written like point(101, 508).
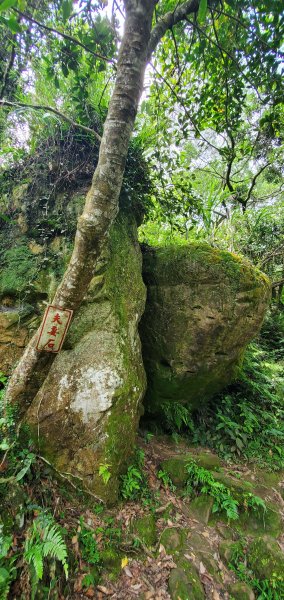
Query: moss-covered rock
point(203, 306)
point(240, 591)
point(266, 560)
point(145, 529)
point(87, 411)
point(257, 522)
point(174, 540)
point(184, 584)
point(238, 487)
point(208, 460)
point(228, 550)
point(175, 468)
point(111, 561)
point(201, 508)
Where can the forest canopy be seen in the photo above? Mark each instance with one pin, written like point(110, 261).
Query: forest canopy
point(210, 120)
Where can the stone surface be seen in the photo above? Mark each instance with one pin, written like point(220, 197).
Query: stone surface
point(174, 540)
point(87, 412)
point(203, 306)
point(175, 467)
point(266, 559)
point(201, 508)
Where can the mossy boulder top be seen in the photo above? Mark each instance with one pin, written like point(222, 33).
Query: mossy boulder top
point(203, 307)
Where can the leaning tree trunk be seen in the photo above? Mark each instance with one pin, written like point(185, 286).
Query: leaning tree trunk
point(101, 205)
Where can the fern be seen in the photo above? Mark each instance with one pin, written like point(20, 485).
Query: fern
point(44, 541)
point(7, 569)
point(176, 417)
point(201, 478)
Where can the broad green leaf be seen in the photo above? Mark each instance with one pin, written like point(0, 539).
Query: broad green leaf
point(13, 25)
point(7, 4)
point(67, 6)
point(202, 11)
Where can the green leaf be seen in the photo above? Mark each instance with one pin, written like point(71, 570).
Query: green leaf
point(13, 25)
point(67, 6)
point(202, 11)
point(7, 4)
point(65, 70)
point(24, 470)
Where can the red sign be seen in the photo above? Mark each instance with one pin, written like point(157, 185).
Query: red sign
point(54, 328)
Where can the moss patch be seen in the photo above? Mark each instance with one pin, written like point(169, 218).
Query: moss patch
point(184, 584)
point(174, 540)
point(145, 529)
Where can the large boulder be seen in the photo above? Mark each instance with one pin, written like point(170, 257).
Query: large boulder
point(86, 413)
point(203, 306)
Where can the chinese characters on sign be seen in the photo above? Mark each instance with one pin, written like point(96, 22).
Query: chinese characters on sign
point(54, 328)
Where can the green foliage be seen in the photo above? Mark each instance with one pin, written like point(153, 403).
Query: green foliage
point(176, 417)
point(105, 473)
point(44, 542)
point(88, 545)
point(202, 479)
point(264, 589)
point(8, 570)
point(20, 459)
point(133, 483)
point(166, 480)
point(247, 420)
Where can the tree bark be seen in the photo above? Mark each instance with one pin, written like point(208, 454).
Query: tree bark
point(101, 206)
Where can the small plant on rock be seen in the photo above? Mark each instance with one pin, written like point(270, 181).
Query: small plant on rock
point(201, 479)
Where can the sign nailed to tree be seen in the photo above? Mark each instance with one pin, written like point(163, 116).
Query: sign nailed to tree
point(54, 328)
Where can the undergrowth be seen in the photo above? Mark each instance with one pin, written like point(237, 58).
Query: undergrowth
point(265, 589)
point(134, 483)
point(247, 419)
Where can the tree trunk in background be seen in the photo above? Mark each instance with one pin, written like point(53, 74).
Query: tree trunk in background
point(101, 205)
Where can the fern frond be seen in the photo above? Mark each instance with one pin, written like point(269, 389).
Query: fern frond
point(45, 541)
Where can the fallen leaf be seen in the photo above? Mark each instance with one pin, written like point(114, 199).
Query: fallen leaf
point(136, 587)
point(127, 572)
point(202, 569)
point(104, 590)
point(205, 534)
point(124, 562)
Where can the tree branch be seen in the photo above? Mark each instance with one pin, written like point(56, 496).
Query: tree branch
point(254, 182)
point(52, 110)
point(168, 21)
point(65, 36)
